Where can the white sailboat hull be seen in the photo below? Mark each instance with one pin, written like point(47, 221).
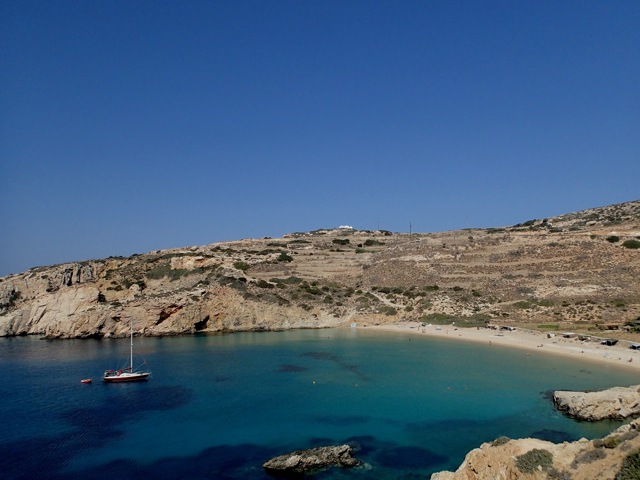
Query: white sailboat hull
point(115, 377)
point(126, 374)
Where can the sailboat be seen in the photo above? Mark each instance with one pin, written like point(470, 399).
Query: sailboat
point(127, 374)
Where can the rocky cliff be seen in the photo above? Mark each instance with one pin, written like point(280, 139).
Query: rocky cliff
point(616, 456)
point(616, 403)
point(574, 272)
point(59, 304)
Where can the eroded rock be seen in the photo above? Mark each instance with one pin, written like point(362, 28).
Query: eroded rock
point(614, 403)
point(535, 459)
point(311, 460)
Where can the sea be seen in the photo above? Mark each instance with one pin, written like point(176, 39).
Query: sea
point(219, 405)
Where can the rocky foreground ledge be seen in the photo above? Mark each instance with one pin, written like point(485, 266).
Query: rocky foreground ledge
point(616, 456)
point(312, 460)
point(616, 403)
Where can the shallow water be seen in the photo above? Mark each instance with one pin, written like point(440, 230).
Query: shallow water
point(218, 406)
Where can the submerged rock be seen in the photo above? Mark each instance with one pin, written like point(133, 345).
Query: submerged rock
point(313, 459)
point(614, 403)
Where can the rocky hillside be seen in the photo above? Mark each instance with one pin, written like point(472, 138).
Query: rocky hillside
point(575, 272)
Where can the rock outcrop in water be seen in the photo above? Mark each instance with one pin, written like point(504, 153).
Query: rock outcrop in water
point(312, 460)
point(616, 456)
point(616, 403)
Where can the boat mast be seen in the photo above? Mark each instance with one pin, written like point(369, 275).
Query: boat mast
point(131, 355)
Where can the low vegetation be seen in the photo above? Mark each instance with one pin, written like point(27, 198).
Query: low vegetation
point(371, 242)
point(500, 441)
point(164, 270)
point(634, 244)
point(285, 257)
point(530, 461)
point(607, 442)
point(590, 455)
point(243, 266)
point(630, 469)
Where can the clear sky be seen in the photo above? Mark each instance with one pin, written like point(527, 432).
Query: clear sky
point(131, 126)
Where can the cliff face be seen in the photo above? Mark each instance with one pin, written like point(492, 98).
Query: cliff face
point(576, 272)
point(614, 456)
point(97, 299)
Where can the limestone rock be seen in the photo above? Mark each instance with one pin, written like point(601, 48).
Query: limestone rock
point(313, 459)
point(615, 403)
point(521, 459)
point(97, 299)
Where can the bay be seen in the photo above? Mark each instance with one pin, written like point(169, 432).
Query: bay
point(218, 406)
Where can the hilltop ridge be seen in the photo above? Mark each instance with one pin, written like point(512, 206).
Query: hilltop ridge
point(576, 271)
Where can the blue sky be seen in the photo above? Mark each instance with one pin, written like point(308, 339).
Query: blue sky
point(127, 127)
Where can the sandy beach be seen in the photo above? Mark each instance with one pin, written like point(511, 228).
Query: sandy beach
point(531, 342)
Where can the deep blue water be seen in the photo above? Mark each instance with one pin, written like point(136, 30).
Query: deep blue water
point(218, 406)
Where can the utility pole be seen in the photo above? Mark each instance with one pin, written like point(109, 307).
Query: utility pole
point(409, 228)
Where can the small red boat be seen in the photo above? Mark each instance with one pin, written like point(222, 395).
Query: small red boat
point(85, 380)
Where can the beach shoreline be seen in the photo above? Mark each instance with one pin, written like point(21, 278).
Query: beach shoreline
point(531, 342)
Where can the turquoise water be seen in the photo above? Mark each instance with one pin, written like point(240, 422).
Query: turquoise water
point(218, 406)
